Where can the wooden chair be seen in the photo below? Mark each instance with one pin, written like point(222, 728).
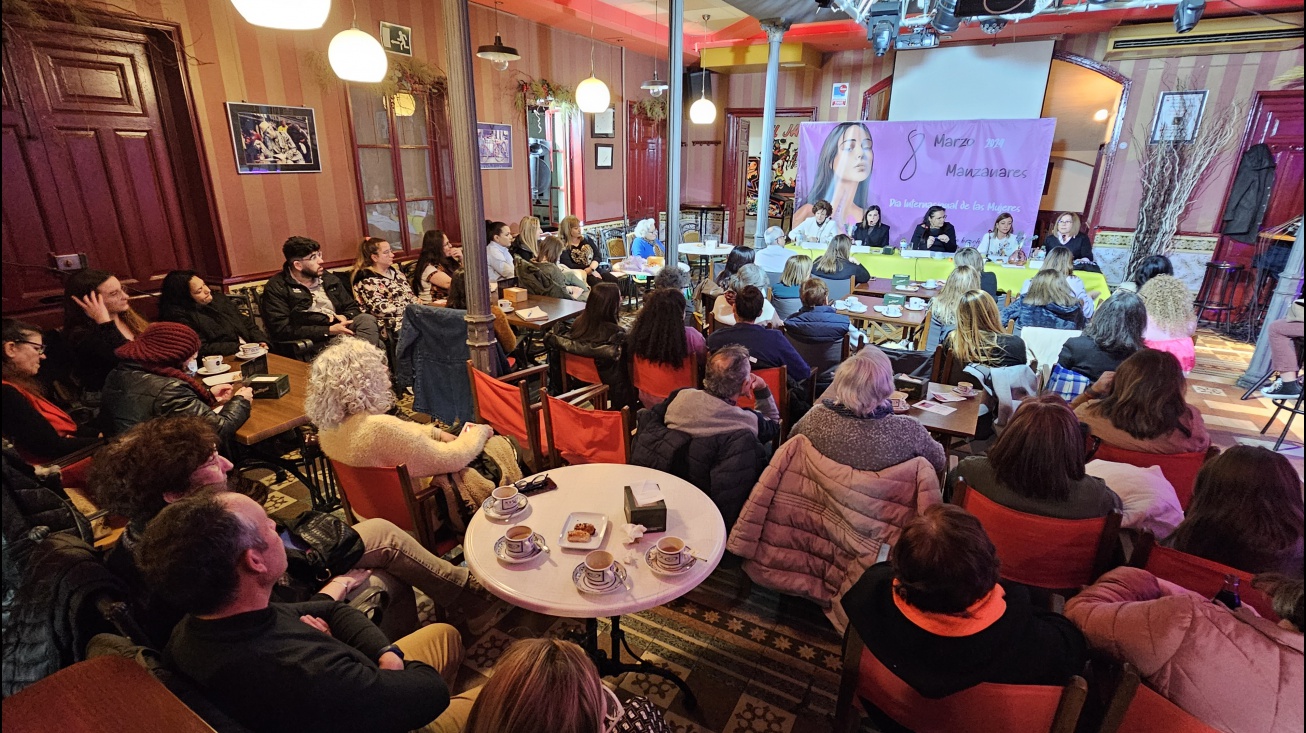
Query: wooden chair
point(1197, 573)
point(616, 249)
point(388, 492)
point(945, 368)
point(579, 368)
point(504, 404)
point(985, 708)
point(1137, 708)
point(1010, 328)
point(660, 380)
point(777, 378)
point(1043, 552)
point(1180, 469)
point(839, 289)
point(577, 435)
point(691, 236)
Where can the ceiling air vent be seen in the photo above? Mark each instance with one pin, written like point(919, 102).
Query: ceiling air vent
point(1211, 36)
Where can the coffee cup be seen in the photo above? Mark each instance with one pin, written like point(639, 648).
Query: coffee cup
point(211, 363)
point(892, 311)
point(965, 388)
point(598, 567)
point(671, 552)
point(898, 401)
point(521, 540)
point(249, 350)
point(916, 303)
point(931, 284)
point(505, 305)
point(506, 499)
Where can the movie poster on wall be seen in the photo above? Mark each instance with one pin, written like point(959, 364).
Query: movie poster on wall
point(784, 169)
point(976, 169)
point(273, 139)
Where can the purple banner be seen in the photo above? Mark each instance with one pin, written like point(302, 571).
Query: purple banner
point(976, 169)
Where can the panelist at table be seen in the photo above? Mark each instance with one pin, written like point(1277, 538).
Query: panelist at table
point(872, 231)
point(935, 233)
point(818, 230)
point(1067, 234)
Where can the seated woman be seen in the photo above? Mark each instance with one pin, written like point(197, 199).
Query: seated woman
point(1150, 267)
point(853, 423)
point(552, 685)
point(971, 257)
point(1170, 319)
point(938, 615)
point(646, 243)
point(1048, 303)
point(503, 332)
point(1142, 408)
point(872, 231)
point(1067, 234)
point(816, 231)
point(723, 308)
point(1036, 466)
point(1231, 669)
point(818, 322)
point(943, 307)
point(935, 233)
point(738, 257)
point(435, 268)
point(382, 290)
point(38, 428)
point(150, 382)
point(527, 239)
point(660, 336)
point(1284, 354)
point(581, 253)
point(222, 328)
point(1246, 513)
point(97, 319)
point(550, 249)
point(979, 337)
point(837, 262)
point(1000, 244)
point(1059, 259)
point(786, 296)
point(597, 333)
point(1114, 334)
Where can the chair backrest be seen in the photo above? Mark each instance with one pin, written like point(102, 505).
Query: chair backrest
point(577, 435)
point(785, 307)
point(1180, 469)
point(944, 368)
point(839, 289)
point(717, 269)
point(777, 379)
point(691, 236)
point(821, 356)
point(774, 277)
point(581, 368)
point(384, 492)
point(1197, 573)
point(504, 404)
point(1044, 344)
point(1042, 551)
point(660, 380)
point(1137, 708)
point(1010, 328)
point(616, 248)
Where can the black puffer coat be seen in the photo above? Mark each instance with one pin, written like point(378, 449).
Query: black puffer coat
point(220, 325)
point(608, 351)
point(133, 395)
point(1249, 196)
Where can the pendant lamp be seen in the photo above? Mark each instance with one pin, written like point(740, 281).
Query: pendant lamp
point(290, 15)
point(357, 56)
point(702, 111)
point(654, 86)
point(496, 53)
point(405, 104)
point(592, 94)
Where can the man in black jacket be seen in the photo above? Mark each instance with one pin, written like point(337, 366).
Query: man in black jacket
point(306, 302)
point(317, 666)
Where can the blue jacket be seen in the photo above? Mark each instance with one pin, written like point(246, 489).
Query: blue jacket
point(768, 346)
point(432, 355)
point(1065, 317)
point(643, 248)
point(819, 325)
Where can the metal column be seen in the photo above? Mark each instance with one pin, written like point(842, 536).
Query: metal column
point(775, 30)
point(675, 124)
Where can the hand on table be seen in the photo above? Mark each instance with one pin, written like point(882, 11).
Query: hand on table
point(246, 392)
point(94, 307)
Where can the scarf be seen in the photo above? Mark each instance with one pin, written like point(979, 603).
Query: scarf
point(883, 410)
point(982, 614)
point(62, 423)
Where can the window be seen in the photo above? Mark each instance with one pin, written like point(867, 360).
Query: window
point(395, 163)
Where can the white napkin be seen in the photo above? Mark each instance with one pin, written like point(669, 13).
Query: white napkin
point(646, 492)
point(532, 314)
point(633, 532)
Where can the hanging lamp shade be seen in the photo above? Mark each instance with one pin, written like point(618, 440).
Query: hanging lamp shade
point(654, 86)
point(405, 105)
point(702, 112)
point(290, 15)
point(497, 53)
point(357, 56)
point(592, 95)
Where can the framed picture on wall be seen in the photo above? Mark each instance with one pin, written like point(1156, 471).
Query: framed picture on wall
point(1178, 115)
point(604, 124)
point(272, 139)
point(603, 157)
point(494, 143)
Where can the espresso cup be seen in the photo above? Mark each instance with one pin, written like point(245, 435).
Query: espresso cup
point(671, 551)
point(916, 303)
point(521, 540)
point(248, 350)
point(598, 567)
point(965, 387)
point(505, 304)
point(931, 284)
point(892, 311)
point(211, 363)
point(506, 499)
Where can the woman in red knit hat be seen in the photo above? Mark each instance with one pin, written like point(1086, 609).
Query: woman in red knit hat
point(151, 381)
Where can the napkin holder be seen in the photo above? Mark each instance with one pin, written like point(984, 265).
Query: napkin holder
point(895, 299)
point(653, 516)
point(516, 295)
point(270, 386)
point(915, 388)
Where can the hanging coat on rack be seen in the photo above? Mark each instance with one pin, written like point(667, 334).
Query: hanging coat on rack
point(1250, 195)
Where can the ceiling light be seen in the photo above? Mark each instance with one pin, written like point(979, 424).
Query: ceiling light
point(654, 86)
point(1187, 13)
point(882, 34)
point(919, 39)
point(702, 111)
point(357, 56)
point(289, 15)
point(592, 94)
point(1101, 115)
point(496, 53)
point(945, 16)
point(993, 26)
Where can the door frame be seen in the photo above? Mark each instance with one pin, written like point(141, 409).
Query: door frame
point(1258, 101)
point(734, 115)
point(1106, 161)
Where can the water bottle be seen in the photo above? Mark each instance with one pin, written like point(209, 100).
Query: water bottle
point(1228, 595)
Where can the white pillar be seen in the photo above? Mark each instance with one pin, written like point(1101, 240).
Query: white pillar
point(775, 30)
point(675, 124)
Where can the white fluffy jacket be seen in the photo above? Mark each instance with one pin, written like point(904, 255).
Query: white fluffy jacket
point(812, 526)
point(385, 440)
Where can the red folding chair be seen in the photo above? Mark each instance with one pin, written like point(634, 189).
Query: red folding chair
point(1137, 708)
point(1041, 551)
point(387, 492)
point(579, 368)
point(777, 378)
point(504, 404)
point(985, 708)
point(1180, 469)
point(1197, 573)
point(660, 380)
point(577, 435)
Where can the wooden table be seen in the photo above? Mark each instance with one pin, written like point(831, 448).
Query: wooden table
point(883, 285)
point(273, 417)
point(557, 309)
point(910, 322)
point(959, 424)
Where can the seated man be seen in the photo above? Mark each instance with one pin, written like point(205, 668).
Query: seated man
point(306, 302)
point(768, 346)
point(319, 665)
point(774, 255)
point(939, 617)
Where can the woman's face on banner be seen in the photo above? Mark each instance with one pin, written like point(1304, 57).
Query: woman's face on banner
point(853, 160)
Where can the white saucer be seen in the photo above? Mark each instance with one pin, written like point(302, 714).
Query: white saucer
point(501, 551)
point(583, 584)
point(222, 369)
point(654, 564)
point(488, 506)
point(959, 393)
point(907, 307)
point(254, 355)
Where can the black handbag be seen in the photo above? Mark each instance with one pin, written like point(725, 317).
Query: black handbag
point(321, 546)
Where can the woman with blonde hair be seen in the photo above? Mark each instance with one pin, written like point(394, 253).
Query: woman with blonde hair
point(1067, 234)
point(1061, 260)
point(979, 338)
point(581, 253)
point(837, 262)
point(551, 685)
point(971, 257)
point(527, 239)
point(1000, 243)
point(1049, 303)
point(381, 288)
point(1170, 319)
point(550, 250)
point(943, 308)
point(786, 296)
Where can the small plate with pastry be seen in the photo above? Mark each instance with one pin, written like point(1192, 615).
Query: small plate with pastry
point(583, 531)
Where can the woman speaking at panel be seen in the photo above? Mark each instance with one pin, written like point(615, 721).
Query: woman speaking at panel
point(935, 233)
point(843, 175)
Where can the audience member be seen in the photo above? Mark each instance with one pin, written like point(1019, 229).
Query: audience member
point(1285, 356)
point(457, 298)
point(1246, 513)
point(938, 616)
point(556, 276)
point(646, 243)
point(837, 262)
point(150, 382)
point(723, 310)
point(677, 278)
point(818, 322)
point(97, 319)
point(1059, 260)
point(433, 273)
point(185, 298)
point(871, 231)
point(1142, 407)
point(597, 334)
point(551, 685)
point(1114, 334)
point(768, 346)
point(853, 423)
point(712, 410)
point(1170, 319)
point(1150, 267)
point(971, 257)
point(306, 302)
point(318, 665)
point(527, 239)
point(817, 230)
point(1068, 234)
point(498, 259)
point(1048, 303)
point(774, 256)
point(943, 307)
point(735, 261)
point(1036, 466)
point(979, 338)
point(935, 233)
point(786, 295)
point(382, 290)
point(660, 336)
point(38, 428)
point(1231, 669)
point(581, 253)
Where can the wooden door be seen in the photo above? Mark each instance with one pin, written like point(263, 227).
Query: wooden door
point(738, 201)
point(87, 167)
point(646, 168)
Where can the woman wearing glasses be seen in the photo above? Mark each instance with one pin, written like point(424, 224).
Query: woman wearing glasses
point(38, 428)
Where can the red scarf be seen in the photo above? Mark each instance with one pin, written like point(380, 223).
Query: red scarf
point(981, 614)
point(64, 425)
point(163, 370)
